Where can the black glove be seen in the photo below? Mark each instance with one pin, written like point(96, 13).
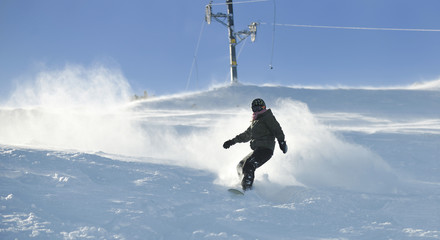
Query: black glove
point(283, 146)
point(228, 143)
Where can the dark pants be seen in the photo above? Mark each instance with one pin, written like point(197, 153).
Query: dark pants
point(246, 167)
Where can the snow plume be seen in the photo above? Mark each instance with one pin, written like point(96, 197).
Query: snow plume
point(72, 108)
point(316, 157)
point(87, 110)
point(426, 85)
point(74, 86)
point(433, 85)
point(319, 157)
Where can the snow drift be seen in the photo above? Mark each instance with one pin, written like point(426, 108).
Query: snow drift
point(78, 160)
point(82, 109)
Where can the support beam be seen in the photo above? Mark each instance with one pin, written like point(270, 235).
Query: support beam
point(232, 43)
point(235, 38)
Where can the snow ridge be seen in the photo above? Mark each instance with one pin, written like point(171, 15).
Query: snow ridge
point(362, 164)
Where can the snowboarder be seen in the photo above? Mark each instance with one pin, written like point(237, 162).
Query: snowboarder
point(261, 133)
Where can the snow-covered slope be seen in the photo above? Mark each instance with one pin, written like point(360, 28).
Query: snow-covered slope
point(362, 164)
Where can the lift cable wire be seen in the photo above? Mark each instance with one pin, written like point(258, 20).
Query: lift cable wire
point(194, 63)
point(241, 48)
point(252, 1)
point(273, 34)
point(358, 28)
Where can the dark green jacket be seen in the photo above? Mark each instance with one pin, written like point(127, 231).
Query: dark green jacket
point(262, 132)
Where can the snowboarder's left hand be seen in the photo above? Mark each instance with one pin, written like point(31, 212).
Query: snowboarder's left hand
point(283, 146)
point(228, 143)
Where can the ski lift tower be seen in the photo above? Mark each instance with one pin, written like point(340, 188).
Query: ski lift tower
point(228, 21)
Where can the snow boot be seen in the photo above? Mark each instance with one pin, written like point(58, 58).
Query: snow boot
point(246, 183)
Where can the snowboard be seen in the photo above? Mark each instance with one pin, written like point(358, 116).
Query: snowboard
point(235, 191)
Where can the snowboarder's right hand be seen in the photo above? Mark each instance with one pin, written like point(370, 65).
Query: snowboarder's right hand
point(283, 146)
point(228, 143)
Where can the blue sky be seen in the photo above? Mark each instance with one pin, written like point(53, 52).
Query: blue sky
point(153, 42)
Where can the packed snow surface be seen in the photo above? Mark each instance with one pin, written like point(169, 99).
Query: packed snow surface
point(362, 164)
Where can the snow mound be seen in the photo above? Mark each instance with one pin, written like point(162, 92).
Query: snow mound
point(426, 85)
point(362, 163)
point(192, 137)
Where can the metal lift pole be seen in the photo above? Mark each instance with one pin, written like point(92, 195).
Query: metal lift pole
point(232, 43)
point(233, 36)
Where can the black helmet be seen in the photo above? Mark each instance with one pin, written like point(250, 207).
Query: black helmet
point(258, 105)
